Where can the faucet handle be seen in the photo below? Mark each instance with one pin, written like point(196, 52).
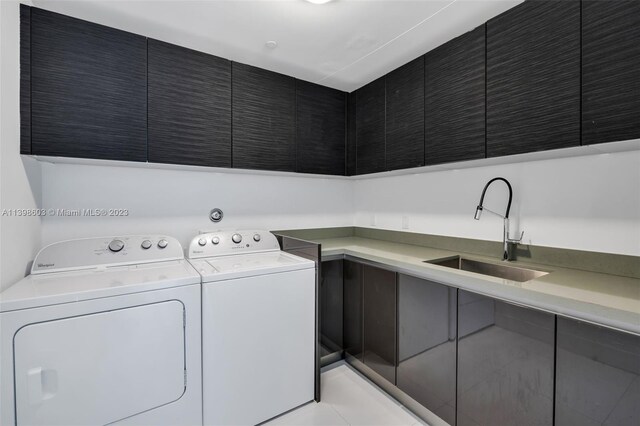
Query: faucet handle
point(511, 240)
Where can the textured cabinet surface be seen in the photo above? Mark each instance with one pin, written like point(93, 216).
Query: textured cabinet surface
point(455, 99)
point(379, 290)
point(533, 78)
point(88, 89)
point(405, 116)
point(320, 129)
point(427, 344)
point(351, 134)
point(331, 304)
point(505, 363)
point(264, 107)
point(370, 127)
point(597, 375)
point(25, 79)
point(352, 310)
point(610, 71)
point(189, 106)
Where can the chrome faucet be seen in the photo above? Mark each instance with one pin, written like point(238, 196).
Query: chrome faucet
point(507, 254)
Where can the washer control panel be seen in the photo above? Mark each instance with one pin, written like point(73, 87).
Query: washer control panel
point(101, 252)
point(222, 243)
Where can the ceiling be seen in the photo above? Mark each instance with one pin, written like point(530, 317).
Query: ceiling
point(343, 44)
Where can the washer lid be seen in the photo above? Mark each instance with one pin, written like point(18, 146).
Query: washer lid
point(73, 286)
point(248, 265)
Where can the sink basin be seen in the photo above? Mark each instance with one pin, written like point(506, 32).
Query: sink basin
point(507, 272)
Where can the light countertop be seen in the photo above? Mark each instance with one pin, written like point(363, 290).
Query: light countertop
point(610, 300)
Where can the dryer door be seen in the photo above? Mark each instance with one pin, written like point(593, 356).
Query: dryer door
point(100, 368)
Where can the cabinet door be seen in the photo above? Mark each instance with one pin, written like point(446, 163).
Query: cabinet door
point(264, 107)
point(189, 106)
point(533, 78)
point(351, 134)
point(25, 79)
point(405, 116)
point(427, 344)
point(352, 310)
point(88, 89)
point(455, 99)
point(331, 305)
point(505, 363)
point(320, 129)
point(610, 64)
point(379, 288)
point(597, 376)
point(370, 134)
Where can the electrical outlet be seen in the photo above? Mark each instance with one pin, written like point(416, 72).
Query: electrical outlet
point(405, 222)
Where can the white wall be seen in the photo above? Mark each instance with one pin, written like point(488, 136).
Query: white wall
point(177, 202)
point(586, 203)
point(19, 179)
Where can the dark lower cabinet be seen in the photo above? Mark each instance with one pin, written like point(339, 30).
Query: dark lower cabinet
point(533, 78)
point(404, 145)
point(610, 67)
point(331, 305)
point(264, 107)
point(379, 288)
point(189, 106)
point(370, 127)
point(88, 89)
point(427, 344)
point(597, 376)
point(320, 129)
point(455, 99)
point(505, 363)
point(352, 310)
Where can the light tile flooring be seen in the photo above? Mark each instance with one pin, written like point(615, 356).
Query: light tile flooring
point(349, 399)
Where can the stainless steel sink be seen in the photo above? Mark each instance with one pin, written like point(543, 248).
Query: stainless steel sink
point(484, 268)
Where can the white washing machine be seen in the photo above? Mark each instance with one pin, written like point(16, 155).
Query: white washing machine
point(103, 330)
point(258, 327)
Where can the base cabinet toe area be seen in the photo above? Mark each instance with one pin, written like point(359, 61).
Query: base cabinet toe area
point(470, 359)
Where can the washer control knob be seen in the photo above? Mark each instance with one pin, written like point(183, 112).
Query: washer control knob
point(116, 245)
point(202, 242)
point(163, 243)
point(256, 237)
point(146, 244)
point(236, 238)
point(215, 240)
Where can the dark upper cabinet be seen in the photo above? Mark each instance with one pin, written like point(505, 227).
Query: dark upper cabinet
point(597, 375)
point(455, 99)
point(505, 363)
point(264, 107)
point(320, 129)
point(610, 71)
point(189, 95)
point(405, 116)
point(88, 89)
point(370, 123)
point(379, 295)
point(533, 78)
point(25, 79)
point(351, 134)
point(427, 344)
point(352, 309)
point(331, 304)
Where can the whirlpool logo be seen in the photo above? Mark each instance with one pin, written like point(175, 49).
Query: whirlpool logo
point(45, 265)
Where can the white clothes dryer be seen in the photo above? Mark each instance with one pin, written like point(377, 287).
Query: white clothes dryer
point(103, 330)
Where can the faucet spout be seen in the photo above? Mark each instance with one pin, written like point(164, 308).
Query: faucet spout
point(506, 241)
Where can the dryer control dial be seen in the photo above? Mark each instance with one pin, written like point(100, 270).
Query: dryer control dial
point(202, 242)
point(215, 240)
point(236, 238)
point(163, 243)
point(116, 245)
point(146, 244)
point(256, 237)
